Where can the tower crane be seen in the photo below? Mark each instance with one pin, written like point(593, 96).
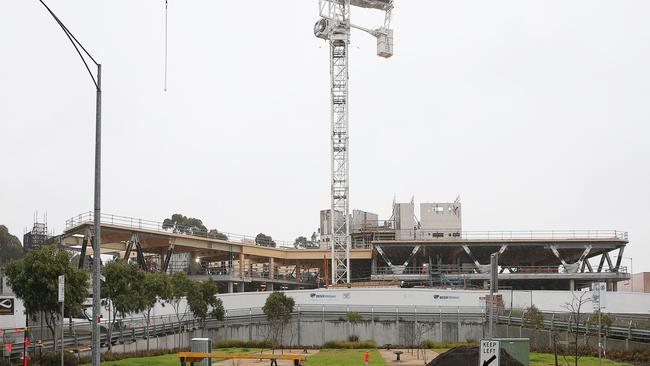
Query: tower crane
point(334, 26)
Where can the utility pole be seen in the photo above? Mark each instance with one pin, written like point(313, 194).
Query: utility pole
point(96, 241)
point(62, 301)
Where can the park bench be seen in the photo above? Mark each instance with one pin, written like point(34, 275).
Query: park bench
point(186, 357)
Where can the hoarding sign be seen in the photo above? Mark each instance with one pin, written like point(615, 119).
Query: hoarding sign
point(6, 306)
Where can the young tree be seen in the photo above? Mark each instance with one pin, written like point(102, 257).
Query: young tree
point(533, 317)
point(154, 286)
point(278, 308)
point(34, 280)
point(122, 291)
point(203, 301)
point(176, 292)
point(575, 309)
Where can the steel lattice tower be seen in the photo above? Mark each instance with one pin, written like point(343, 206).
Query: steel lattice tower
point(335, 26)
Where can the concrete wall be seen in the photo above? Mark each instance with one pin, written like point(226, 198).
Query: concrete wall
point(316, 332)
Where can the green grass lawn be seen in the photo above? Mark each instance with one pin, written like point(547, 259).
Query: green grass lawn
point(167, 360)
point(545, 359)
point(336, 357)
point(339, 357)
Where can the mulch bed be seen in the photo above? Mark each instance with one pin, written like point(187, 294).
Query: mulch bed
point(469, 356)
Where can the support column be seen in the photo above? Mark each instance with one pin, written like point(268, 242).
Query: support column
point(230, 287)
point(242, 264)
point(271, 268)
point(269, 285)
point(373, 264)
point(194, 267)
point(572, 285)
point(240, 287)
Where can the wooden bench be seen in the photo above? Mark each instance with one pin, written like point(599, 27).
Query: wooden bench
point(186, 357)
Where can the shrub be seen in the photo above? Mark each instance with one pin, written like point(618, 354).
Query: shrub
point(354, 317)
point(243, 344)
point(54, 359)
point(431, 344)
point(349, 345)
point(110, 356)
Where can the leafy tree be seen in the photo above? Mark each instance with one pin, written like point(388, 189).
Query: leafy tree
point(179, 285)
point(278, 308)
point(182, 224)
point(215, 234)
point(154, 286)
point(122, 291)
point(264, 240)
point(302, 242)
point(534, 317)
point(203, 301)
point(34, 280)
point(10, 247)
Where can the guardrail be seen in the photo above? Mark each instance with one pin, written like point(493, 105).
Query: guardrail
point(137, 223)
point(455, 269)
point(586, 327)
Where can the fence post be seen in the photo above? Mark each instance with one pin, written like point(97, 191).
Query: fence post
point(629, 336)
point(397, 324)
point(322, 325)
point(440, 324)
point(372, 320)
point(250, 324)
point(348, 325)
point(458, 321)
point(299, 325)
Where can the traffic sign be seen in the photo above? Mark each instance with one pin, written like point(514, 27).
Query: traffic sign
point(489, 353)
point(61, 288)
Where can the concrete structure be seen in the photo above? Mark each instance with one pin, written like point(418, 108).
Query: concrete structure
point(432, 251)
point(638, 282)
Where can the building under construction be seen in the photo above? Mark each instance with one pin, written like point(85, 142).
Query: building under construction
point(429, 249)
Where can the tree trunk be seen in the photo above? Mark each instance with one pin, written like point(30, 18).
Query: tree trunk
point(148, 321)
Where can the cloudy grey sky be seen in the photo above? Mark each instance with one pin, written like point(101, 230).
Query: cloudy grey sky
point(536, 113)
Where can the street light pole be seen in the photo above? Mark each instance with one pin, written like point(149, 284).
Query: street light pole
point(96, 351)
point(96, 241)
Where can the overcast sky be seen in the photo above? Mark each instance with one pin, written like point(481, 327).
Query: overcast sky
point(536, 113)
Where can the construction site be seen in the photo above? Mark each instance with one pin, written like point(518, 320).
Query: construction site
point(405, 250)
point(423, 246)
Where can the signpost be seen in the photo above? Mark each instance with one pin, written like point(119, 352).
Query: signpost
point(489, 353)
point(598, 297)
point(62, 301)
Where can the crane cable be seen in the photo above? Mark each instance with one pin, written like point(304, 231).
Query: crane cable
point(166, 45)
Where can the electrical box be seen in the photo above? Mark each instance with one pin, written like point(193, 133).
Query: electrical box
point(203, 345)
point(518, 348)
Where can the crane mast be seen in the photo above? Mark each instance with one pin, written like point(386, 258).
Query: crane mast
point(335, 27)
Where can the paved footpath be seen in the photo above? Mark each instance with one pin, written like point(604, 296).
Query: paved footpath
point(407, 359)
